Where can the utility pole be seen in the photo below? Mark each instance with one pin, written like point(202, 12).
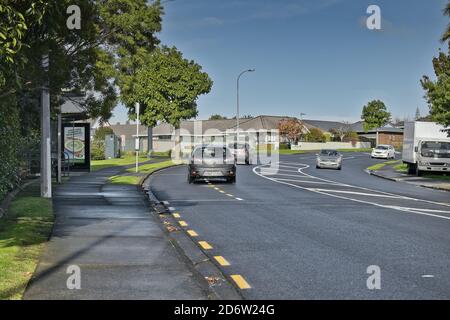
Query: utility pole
point(137, 136)
point(46, 167)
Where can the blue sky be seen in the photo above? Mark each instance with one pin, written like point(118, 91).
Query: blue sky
point(311, 56)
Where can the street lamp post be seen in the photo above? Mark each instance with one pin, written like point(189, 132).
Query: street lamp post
point(237, 102)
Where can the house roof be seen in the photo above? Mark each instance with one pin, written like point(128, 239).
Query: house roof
point(325, 125)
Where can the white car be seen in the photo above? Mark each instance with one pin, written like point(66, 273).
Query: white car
point(384, 151)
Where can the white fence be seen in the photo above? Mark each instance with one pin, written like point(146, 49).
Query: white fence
point(329, 145)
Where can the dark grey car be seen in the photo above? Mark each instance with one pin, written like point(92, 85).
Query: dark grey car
point(211, 162)
point(328, 158)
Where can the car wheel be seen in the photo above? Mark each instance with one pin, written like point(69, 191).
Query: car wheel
point(317, 167)
point(232, 180)
point(247, 161)
point(339, 168)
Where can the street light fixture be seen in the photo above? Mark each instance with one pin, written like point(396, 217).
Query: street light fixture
point(237, 104)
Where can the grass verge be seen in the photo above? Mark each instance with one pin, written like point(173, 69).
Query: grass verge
point(131, 177)
point(126, 160)
point(23, 234)
point(150, 167)
point(381, 165)
point(402, 167)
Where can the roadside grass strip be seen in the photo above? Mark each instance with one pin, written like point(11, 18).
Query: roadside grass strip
point(240, 281)
point(109, 163)
point(379, 166)
point(23, 234)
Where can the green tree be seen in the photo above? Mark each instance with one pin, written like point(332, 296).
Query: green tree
point(446, 35)
point(315, 135)
point(217, 117)
point(437, 92)
point(375, 115)
point(168, 87)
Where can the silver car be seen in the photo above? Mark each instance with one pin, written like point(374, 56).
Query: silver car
point(328, 158)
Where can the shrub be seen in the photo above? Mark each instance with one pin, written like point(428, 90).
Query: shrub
point(10, 140)
point(315, 135)
point(98, 150)
point(285, 146)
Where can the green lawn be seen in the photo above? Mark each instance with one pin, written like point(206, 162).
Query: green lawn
point(144, 169)
point(402, 167)
point(124, 179)
point(381, 165)
point(23, 234)
point(150, 167)
point(123, 161)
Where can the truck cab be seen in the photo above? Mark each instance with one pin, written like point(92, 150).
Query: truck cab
point(433, 155)
point(426, 147)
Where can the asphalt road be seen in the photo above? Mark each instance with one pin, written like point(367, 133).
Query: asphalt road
point(303, 233)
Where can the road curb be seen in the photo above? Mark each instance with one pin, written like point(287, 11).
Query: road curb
point(209, 275)
point(376, 174)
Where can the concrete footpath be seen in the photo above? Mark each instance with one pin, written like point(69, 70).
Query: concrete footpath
point(109, 233)
point(388, 172)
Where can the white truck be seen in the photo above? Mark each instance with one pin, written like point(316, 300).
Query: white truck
point(426, 147)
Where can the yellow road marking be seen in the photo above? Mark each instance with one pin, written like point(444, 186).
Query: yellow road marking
point(240, 281)
point(222, 261)
point(176, 215)
point(205, 245)
point(183, 223)
point(192, 233)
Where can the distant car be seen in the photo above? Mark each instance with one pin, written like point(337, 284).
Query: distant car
point(241, 152)
point(384, 151)
point(210, 162)
point(328, 158)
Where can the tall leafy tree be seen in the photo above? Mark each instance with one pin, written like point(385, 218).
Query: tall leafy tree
point(437, 92)
point(375, 115)
point(168, 87)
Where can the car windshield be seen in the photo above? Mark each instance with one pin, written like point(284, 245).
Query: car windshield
point(211, 153)
point(329, 153)
point(435, 149)
point(382, 148)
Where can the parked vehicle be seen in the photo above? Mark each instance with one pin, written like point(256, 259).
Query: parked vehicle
point(328, 158)
point(426, 147)
point(212, 161)
point(385, 151)
point(241, 152)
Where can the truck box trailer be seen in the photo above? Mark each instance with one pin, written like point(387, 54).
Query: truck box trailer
point(426, 147)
